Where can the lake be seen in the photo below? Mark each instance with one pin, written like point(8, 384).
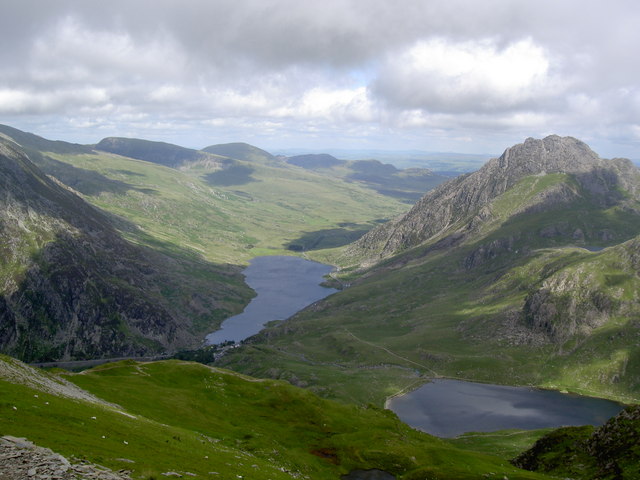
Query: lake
point(284, 285)
point(447, 408)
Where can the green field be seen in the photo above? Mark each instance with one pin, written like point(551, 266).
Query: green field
point(186, 417)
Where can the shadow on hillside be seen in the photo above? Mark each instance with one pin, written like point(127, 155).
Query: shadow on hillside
point(329, 238)
point(84, 181)
point(134, 300)
point(230, 176)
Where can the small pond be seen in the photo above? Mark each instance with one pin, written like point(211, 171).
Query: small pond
point(448, 408)
point(284, 285)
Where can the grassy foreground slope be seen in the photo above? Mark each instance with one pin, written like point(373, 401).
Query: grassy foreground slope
point(154, 418)
point(487, 278)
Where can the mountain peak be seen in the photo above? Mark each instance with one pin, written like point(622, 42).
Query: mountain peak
point(465, 201)
point(552, 154)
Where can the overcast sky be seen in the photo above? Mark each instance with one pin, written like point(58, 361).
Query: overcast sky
point(436, 75)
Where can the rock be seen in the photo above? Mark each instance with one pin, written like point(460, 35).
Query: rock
point(20, 459)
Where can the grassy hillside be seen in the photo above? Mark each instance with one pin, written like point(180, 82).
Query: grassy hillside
point(255, 209)
point(505, 300)
point(185, 417)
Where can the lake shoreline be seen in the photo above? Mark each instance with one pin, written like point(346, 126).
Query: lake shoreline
point(449, 407)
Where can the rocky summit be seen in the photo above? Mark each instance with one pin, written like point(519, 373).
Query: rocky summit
point(462, 204)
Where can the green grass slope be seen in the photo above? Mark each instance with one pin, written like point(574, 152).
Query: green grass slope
point(228, 214)
point(154, 418)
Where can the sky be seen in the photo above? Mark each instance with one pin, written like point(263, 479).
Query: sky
point(434, 75)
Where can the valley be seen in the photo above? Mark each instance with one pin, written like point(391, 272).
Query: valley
point(524, 272)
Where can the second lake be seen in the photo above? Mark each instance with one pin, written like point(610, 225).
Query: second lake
point(448, 408)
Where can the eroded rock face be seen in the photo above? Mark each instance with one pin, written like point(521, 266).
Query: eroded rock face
point(20, 459)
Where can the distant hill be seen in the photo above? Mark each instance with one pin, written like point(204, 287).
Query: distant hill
point(409, 184)
point(162, 153)
point(315, 161)
point(30, 141)
point(73, 288)
point(240, 151)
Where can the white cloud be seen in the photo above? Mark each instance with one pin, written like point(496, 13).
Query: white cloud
point(73, 51)
point(479, 76)
point(392, 72)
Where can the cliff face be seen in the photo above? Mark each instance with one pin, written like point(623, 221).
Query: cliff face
point(464, 203)
point(71, 287)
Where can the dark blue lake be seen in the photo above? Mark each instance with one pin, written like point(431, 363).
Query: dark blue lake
point(447, 408)
point(284, 285)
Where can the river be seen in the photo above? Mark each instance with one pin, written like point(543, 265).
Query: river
point(284, 285)
point(447, 408)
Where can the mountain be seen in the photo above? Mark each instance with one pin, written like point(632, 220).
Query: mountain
point(462, 205)
point(73, 288)
point(162, 153)
point(123, 416)
point(240, 151)
point(524, 272)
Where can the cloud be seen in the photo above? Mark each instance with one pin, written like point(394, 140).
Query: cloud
point(441, 76)
point(408, 71)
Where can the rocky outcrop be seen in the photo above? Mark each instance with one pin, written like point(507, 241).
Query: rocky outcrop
point(72, 288)
point(20, 459)
point(562, 314)
point(608, 452)
point(464, 203)
point(579, 298)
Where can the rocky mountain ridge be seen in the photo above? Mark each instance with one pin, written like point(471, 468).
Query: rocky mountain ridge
point(464, 203)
